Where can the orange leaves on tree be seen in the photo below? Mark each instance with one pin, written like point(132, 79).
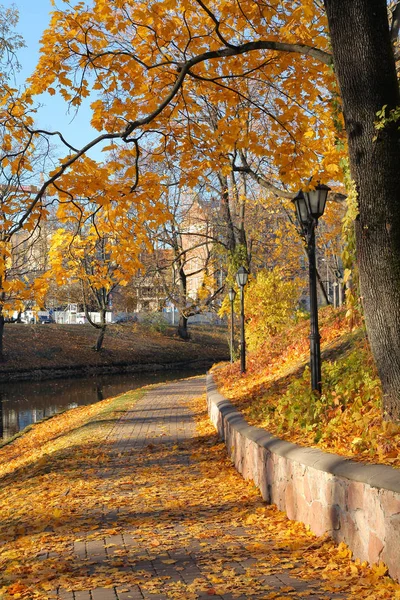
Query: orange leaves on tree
point(285, 118)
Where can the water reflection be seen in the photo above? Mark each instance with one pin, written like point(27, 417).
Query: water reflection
point(25, 402)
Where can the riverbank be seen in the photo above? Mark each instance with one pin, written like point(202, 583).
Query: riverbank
point(52, 351)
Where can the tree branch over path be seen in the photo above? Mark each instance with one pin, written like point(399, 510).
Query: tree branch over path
point(267, 185)
point(183, 71)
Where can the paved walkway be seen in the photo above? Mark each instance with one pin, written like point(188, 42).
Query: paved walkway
point(180, 532)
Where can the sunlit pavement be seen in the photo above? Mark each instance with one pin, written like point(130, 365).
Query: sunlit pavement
point(186, 526)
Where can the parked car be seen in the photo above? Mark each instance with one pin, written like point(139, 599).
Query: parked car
point(126, 319)
point(45, 320)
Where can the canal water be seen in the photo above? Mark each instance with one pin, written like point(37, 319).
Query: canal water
point(25, 402)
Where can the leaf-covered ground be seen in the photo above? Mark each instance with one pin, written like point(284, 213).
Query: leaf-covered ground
point(129, 499)
point(41, 347)
point(346, 419)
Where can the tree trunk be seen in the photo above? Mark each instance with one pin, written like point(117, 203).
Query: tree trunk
point(1, 417)
point(183, 293)
point(229, 228)
point(365, 68)
point(102, 330)
point(100, 339)
point(182, 328)
point(1, 337)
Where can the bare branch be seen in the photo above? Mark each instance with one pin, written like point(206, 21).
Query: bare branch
point(278, 192)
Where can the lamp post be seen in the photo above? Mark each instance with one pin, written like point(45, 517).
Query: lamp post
point(232, 295)
point(241, 279)
point(310, 207)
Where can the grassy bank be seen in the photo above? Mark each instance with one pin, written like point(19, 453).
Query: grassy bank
point(346, 419)
point(47, 347)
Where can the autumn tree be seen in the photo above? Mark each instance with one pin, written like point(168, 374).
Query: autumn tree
point(146, 67)
point(185, 252)
point(253, 221)
point(102, 233)
point(366, 72)
point(87, 259)
point(270, 303)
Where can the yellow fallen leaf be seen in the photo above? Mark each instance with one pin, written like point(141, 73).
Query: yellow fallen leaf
point(380, 570)
point(168, 561)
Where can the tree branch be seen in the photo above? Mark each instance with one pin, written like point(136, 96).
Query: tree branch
point(278, 192)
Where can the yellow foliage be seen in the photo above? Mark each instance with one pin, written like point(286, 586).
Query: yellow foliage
point(270, 304)
point(287, 119)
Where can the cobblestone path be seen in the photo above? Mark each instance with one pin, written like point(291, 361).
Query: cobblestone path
point(171, 539)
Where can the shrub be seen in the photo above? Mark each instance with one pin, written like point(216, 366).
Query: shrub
point(155, 322)
point(270, 303)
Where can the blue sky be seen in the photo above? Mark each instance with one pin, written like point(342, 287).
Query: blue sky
point(33, 19)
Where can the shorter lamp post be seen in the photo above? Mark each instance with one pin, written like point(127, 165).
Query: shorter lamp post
point(232, 295)
point(310, 207)
point(241, 279)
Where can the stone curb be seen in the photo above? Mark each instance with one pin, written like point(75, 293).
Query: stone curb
point(380, 476)
point(354, 502)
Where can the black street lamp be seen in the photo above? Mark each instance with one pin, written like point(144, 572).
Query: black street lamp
point(241, 279)
point(310, 207)
point(232, 295)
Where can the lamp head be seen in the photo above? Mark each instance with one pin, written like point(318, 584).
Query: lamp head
point(316, 200)
point(299, 202)
point(311, 205)
point(242, 276)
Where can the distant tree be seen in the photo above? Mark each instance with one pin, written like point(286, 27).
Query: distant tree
point(88, 258)
point(101, 237)
point(190, 277)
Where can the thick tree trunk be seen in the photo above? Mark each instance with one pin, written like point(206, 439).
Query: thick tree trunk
point(183, 328)
point(1, 337)
point(365, 67)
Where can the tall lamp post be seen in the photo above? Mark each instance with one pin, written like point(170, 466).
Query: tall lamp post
point(310, 207)
point(232, 295)
point(241, 280)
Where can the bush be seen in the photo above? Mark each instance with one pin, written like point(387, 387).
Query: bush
point(155, 322)
point(270, 303)
point(350, 403)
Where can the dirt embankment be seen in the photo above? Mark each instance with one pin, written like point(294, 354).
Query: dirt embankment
point(48, 351)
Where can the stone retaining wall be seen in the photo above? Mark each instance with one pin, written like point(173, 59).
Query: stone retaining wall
point(356, 503)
